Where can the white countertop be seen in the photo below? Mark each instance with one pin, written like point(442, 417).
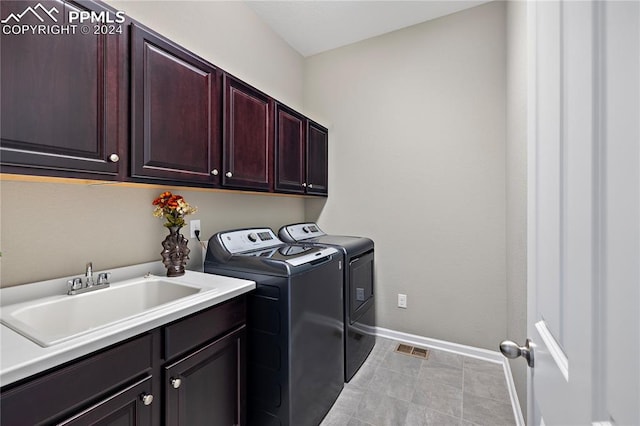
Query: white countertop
point(20, 357)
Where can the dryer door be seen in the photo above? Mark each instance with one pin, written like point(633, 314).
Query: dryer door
point(360, 285)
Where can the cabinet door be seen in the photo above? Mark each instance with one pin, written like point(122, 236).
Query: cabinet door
point(130, 407)
point(290, 150)
point(175, 98)
point(208, 386)
point(317, 159)
point(59, 393)
point(62, 105)
point(248, 136)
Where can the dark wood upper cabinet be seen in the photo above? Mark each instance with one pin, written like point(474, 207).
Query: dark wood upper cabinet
point(63, 103)
point(247, 136)
point(301, 153)
point(290, 144)
point(317, 159)
point(133, 105)
point(176, 106)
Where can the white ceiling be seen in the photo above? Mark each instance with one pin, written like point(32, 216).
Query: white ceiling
point(312, 27)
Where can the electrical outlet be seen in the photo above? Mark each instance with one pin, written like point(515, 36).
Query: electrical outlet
point(402, 301)
point(194, 225)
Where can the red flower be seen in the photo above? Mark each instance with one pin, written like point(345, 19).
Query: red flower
point(172, 208)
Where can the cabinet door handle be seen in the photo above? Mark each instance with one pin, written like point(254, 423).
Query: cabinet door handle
point(146, 398)
point(311, 186)
point(304, 184)
point(176, 382)
point(114, 158)
point(229, 174)
point(214, 172)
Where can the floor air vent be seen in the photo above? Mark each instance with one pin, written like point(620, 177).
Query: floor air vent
point(412, 351)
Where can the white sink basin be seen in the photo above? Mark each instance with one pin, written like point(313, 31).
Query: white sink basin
point(52, 320)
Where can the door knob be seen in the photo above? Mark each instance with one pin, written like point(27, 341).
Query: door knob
point(512, 350)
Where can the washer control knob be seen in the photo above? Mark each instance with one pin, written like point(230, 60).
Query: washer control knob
point(306, 229)
point(253, 237)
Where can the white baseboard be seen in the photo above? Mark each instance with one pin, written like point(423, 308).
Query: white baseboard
point(479, 353)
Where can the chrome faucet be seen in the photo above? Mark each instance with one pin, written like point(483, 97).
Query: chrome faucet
point(89, 275)
point(77, 286)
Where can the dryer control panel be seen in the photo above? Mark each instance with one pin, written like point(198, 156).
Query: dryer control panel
point(249, 239)
point(301, 231)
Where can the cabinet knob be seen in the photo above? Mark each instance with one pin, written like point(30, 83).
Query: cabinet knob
point(229, 174)
point(146, 398)
point(114, 158)
point(311, 185)
point(176, 382)
point(304, 184)
point(214, 172)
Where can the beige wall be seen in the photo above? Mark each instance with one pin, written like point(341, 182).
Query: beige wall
point(417, 162)
point(51, 230)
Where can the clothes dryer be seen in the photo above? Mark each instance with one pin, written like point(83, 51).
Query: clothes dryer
point(359, 295)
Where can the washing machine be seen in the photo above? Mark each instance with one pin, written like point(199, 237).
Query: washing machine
point(359, 295)
point(295, 351)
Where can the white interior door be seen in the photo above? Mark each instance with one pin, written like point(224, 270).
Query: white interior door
point(584, 212)
point(561, 234)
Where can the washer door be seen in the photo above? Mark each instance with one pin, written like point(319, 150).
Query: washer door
point(360, 285)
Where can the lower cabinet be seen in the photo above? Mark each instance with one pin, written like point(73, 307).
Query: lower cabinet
point(193, 378)
point(78, 386)
point(206, 387)
point(129, 407)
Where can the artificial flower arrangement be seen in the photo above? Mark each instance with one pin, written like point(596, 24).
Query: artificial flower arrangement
point(173, 208)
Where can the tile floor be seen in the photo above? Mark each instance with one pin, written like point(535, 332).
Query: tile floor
point(393, 389)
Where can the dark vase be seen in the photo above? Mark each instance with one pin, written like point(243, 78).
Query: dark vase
point(175, 252)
